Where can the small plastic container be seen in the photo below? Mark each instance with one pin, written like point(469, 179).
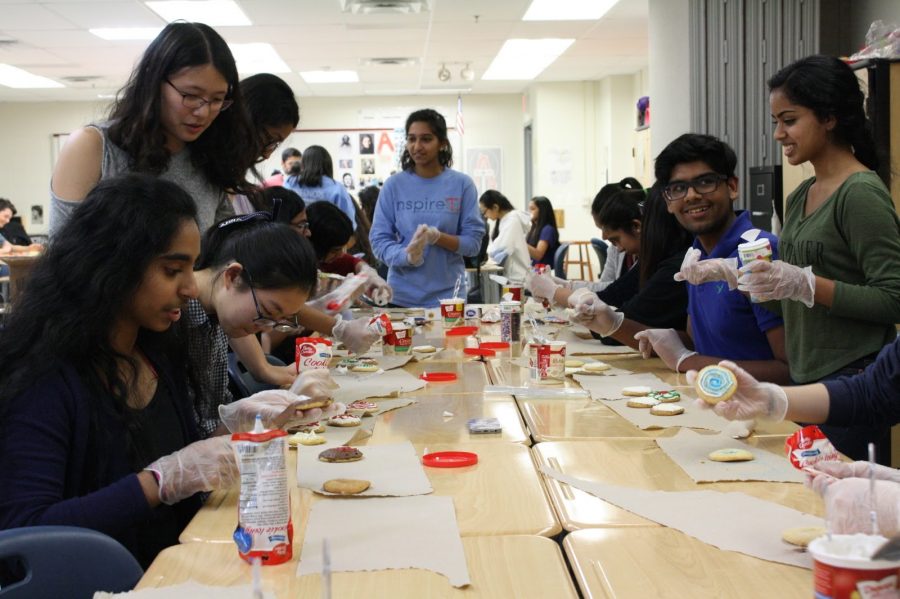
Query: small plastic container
point(843, 570)
point(461, 331)
point(438, 377)
point(495, 345)
point(479, 351)
point(450, 459)
point(452, 311)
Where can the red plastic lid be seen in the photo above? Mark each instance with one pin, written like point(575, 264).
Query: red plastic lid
point(463, 331)
point(495, 345)
point(438, 377)
point(479, 351)
point(450, 459)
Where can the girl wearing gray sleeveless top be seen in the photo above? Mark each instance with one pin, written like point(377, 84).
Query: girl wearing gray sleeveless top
point(181, 117)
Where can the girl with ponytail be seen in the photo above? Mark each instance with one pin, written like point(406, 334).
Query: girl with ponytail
point(838, 281)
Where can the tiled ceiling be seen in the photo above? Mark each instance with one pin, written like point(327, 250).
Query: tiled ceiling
point(52, 39)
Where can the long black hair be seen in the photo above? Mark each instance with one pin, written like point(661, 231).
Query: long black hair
point(828, 87)
point(78, 288)
point(621, 209)
point(315, 163)
point(494, 199)
point(610, 189)
point(263, 199)
point(270, 102)
point(545, 217)
point(221, 153)
point(329, 227)
point(438, 126)
point(661, 235)
point(273, 253)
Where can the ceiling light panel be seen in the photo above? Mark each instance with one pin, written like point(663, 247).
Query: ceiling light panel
point(567, 10)
point(126, 33)
point(258, 58)
point(215, 13)
point(330, 76)
point(15, 77)
point(520, 59)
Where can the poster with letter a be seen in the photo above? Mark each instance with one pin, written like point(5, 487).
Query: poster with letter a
point(485, 166)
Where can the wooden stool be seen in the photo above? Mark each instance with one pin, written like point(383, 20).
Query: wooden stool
point(584, 259)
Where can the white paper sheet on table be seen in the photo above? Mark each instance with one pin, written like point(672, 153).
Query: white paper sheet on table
point(385, 384)
point(393, 470)
point(575, 345)
point(729, 521)
point(191, 589)
point(386, 533)
point(690, 449)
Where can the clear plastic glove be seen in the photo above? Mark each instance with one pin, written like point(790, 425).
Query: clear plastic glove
point(415, 251)
point(205, 465)
point(666, 343)
point(848, 504)
point(751, 400)
point(696, 271)
point(335, 301)
point(837, 470)
point(376, 287)
point(499, 256)
point(778, 280)
point(542, 286)
point(279, 408)
point(594, 313)
point(356, 334)
point(431, 234)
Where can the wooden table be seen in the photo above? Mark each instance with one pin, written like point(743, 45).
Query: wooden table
point(641, 464)
point(502, 495)
point(639, 563)
point(507, 566)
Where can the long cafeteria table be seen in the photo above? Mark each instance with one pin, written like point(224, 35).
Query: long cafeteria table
point(524, 535)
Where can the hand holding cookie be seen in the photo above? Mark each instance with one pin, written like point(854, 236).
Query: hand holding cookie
point(751, 398)
point(277, 407)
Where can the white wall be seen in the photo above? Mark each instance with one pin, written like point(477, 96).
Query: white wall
point(669, 70)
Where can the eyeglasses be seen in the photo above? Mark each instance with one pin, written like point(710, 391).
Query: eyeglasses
point(702, 184)
point(282, 326)
point(271, 146)
point(301, 226)
point(194, 101)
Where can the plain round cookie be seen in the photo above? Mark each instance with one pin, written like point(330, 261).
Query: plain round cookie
point(596, 367)
point(639, 391)
point(715, 384)
point(731, 455)
point(345, 486)
point(666, 409)
point(802, 535)
point(424, 349)
point(574, 363)
point(642, 402)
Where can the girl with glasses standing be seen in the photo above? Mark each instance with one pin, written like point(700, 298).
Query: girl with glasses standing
point(181, 116)
point(839, 276)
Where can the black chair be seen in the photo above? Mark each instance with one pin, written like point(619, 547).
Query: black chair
point(559, 260)
point(601, 248)
point(242, 382)
point(64, 561)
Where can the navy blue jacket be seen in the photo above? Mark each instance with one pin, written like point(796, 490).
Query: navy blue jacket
point(871, 397)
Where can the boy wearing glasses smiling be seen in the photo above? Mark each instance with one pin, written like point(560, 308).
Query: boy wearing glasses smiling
point(700, 187)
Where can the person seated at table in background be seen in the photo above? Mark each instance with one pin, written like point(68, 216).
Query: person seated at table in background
point(427, 217)
point(700, 188)
point(507, 245)
point(96, 429)
point(12, 230)
point(647, 295)
point(290, 165)
point(543, 237)
point(871, 397)
point(316, 183)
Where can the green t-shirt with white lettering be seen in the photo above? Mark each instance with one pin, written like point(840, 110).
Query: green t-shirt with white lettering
point(853, 238)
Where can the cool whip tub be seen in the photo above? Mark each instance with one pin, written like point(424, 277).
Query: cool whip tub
point(452, 311)
point(398, 341)
point(758, 250)
point(547, 361)
point(843, 569)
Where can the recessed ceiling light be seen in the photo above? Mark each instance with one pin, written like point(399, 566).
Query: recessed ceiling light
point(11, 76)
point(258, 58)
point(127, 33)
point(567, 10)
point(330, 76)
point(525, 59)
point(214, 13)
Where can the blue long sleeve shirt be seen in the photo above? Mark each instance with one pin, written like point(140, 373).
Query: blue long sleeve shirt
point(448, 202)
point(329, 191)
point(871, 397)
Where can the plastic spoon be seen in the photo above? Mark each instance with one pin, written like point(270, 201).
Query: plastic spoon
point(873, 514)
point(326, 570)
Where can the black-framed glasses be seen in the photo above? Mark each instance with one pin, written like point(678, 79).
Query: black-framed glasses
point(271, 146)
point(282, 326)
point(193, 101)
point(702, 184)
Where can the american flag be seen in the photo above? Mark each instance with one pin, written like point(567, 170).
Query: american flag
point(460, 126)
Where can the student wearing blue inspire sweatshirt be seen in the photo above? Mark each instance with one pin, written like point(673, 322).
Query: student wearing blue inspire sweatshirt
point(427, 217)
point(316, 183)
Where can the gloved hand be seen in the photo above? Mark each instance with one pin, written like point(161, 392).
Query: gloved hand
point(541, 286)
point(415, 250)
point(667, 345)
point(838, 470)
point(594, 313)
point(279, 408)
point(752, 398)
point(376, 287)
point(431, 234)
point(499, 256)
point(315, 384)
point(778, 280)
point(205, 465)
point(345, 294)
point(696, 271)
point(355, 334)
point(848, 504)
